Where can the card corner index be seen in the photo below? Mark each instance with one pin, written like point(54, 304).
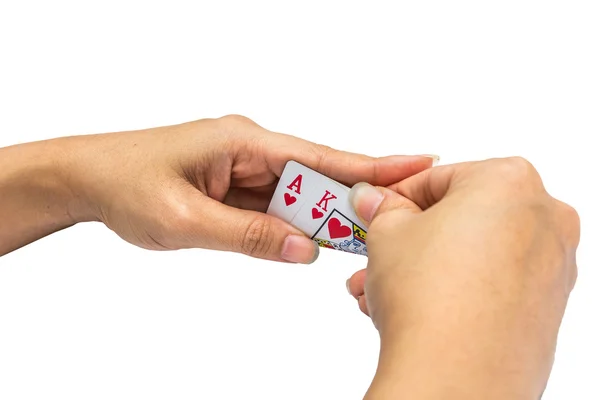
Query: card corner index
point(289, 195)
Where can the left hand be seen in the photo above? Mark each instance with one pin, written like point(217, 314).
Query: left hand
point(207, 184)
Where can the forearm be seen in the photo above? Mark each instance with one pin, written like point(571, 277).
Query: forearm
point(36, 198)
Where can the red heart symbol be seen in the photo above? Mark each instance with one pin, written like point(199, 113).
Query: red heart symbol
point(316, 213)
point(337, 230)
point(289, 199)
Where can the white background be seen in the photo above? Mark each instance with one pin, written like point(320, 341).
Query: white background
point(84, 315)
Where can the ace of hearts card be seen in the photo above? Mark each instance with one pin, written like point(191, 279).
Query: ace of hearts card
point(319, 207)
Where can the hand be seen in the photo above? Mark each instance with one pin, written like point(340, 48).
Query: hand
point(206, 184)
point(470, 268)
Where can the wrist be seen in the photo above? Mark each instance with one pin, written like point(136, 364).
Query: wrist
point(36, 198)
point(72, 169)
point(436, 366)
point(50, 172)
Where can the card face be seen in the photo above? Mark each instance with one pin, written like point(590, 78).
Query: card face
point(295, 183)
point(341, 233)
point(324, 197)
point(327, 217)
point(319, 207)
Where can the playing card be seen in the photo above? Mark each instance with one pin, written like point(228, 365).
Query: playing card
point(319, 207)
point(341, 233)
point(295, 184)
point(324, 197)
point(328, 218)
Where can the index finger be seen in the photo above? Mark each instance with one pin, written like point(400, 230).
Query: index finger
point(345, 167)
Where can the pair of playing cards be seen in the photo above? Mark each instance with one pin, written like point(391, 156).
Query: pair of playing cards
point(319, 207)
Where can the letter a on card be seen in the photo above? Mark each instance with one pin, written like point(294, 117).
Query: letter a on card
point(291, 192)
point(296, 184)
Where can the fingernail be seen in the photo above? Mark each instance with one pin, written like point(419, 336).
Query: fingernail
point(348, 286)
point(366, 200)
point(434, 157)
point(299, 249)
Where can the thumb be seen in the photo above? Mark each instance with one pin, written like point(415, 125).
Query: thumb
point(220, 227)
point(370, 202)
point(264, 236)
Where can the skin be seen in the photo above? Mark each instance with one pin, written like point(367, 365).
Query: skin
point(470, 269)
point(470, 265)
point(202, 184)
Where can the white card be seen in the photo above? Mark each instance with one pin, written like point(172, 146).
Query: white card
point(319, 204)
point(295, 184)
point(340, 232)
point(328, 218)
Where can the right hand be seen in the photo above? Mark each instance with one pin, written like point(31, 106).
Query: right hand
point(470, 268)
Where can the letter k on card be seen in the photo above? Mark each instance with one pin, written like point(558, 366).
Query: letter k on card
point(319, 205)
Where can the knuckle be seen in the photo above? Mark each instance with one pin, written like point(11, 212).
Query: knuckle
point(237, 119)
point(375, 171)
point(518, 175)
point(571, 214)
point(255, 240)
point(517, 168)
point(177, 224)
point(181, 216)
point(236, 127)
point(570, 220)
point(322, 153)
